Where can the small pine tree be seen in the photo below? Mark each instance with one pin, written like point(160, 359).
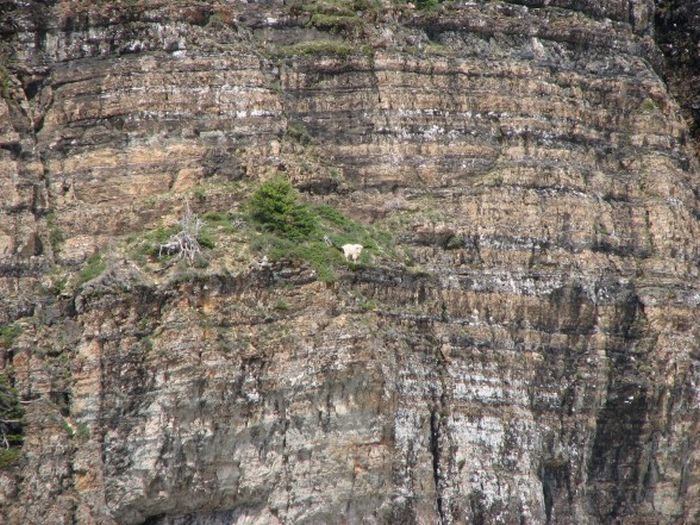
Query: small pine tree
point(275, 206)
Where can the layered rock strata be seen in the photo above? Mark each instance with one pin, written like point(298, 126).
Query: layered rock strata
point(536, 360)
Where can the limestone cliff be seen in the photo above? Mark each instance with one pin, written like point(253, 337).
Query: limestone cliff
point(525, 349)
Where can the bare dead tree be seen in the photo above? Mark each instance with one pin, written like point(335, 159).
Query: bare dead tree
point(184, 244)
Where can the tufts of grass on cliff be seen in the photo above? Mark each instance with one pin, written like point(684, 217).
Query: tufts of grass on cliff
point(94, 266)
point(317, 47)
point(11, 414)
point(337, 15)
point(273, 221)
point(8, 334)
point(289, 229)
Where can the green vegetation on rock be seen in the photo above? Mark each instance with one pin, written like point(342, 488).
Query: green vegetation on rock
point(648, 106)
point(9, 456)
point(8, 334)
point(4, 82)
point(10, 423)
point(56, 236)
point(318, 47)
point(298, 132)
point(425, 5)
point(94, 266)
point(275, 208)
point(337, 15)
point(294, 230)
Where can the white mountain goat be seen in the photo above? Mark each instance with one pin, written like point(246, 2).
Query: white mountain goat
point(351, 252)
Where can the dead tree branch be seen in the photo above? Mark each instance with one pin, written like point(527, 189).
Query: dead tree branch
point(184, 244)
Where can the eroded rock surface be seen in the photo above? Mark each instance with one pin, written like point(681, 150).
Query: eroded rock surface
point(536, 360)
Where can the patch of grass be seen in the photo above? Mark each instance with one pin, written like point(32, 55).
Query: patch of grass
point(11, 415)
point(56, 236)
point(216, 217)
point(334, 22)
point(324, 260)
point(282, 305)
point(333, 216)
point(83, 432)
point(9, 456)
point(206, 239)
point(147, 343)
point(292, 230)
point(648, 106)
point(369, 305)
point(200, 261)
point(8, 334)
point(4, 82)
point(435, 48)
point(318, 47)
point(146, 245)
point(67, 428)
point(94, 266)
point(216, 221)
point(160, 234)
point(455, 242)
point(199, 193)
point(58, 284)
point(425, 5)
point(185, 275)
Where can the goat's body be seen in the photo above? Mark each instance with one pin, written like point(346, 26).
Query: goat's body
point(352, 251)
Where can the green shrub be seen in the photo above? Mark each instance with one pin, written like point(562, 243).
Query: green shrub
point(56, 236)
point(8, 457)
point(275, 208)
point(10, 423)
point(292, 230)
point(4, 82)
point(215, 218)
point(199, 193)
point(67, 428)
point(8, 334)
point(316, 47)
point(58, 284)
point(369, 305)
point(205, 239)
point(94, 267)
point(146, 245)
point(648, 106)
point(83, 432)
point(454, 242)
point(425, 5)
point(337, 22)
point(282, 305)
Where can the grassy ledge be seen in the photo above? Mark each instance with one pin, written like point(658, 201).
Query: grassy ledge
point(287, 228)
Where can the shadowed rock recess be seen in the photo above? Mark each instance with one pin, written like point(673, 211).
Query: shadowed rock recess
point(527, 351)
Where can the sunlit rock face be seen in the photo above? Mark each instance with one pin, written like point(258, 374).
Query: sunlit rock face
point(531, 356)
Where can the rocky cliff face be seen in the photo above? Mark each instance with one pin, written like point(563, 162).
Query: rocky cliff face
point(529, 354)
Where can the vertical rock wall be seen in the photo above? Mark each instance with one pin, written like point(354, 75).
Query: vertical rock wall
point(535, 360)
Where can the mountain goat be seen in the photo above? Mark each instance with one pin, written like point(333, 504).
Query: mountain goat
point(350, 251)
